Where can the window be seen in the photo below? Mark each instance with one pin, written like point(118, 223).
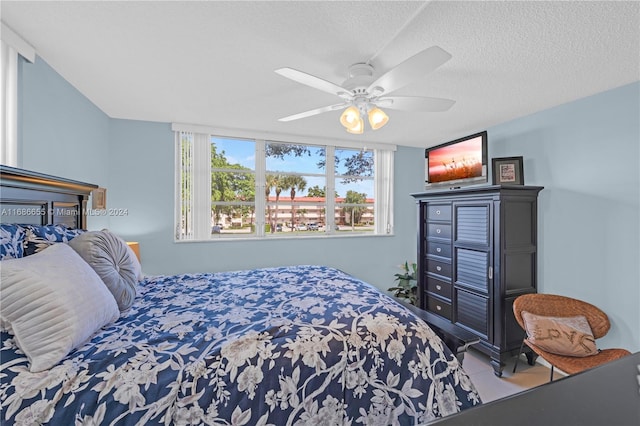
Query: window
point(237, 187)
point(296, 183)
point(355, 186)
point(233, 186)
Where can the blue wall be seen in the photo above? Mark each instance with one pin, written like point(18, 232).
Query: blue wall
point(585, 154)
point(60, 132)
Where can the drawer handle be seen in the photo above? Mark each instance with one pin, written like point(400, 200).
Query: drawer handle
point(438, 249)
point(438, 268)
point(438, 307)
point(438, 231)
point(437, 211)
point(438, 287)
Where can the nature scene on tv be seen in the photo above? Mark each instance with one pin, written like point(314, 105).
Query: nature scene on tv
point(461, 160)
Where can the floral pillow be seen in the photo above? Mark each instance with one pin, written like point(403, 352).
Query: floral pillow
point(12, 238)
point(39, 237)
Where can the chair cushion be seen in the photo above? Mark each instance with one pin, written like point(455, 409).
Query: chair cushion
point(569, 336)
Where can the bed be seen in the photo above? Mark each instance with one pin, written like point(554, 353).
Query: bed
point(300, 344)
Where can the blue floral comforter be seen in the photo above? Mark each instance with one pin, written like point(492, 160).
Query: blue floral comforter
point(276, 346)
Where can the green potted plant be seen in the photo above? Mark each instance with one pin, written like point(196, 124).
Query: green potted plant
point(407, 284)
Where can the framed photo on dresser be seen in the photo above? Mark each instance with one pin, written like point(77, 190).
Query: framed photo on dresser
point(507, 170)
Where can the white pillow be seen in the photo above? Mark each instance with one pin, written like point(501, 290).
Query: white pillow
point(53, 302)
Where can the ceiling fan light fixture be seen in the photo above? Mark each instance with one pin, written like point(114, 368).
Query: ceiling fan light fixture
point(377, 118)
point(350, 117)
point(357, 128)
point(362, 95)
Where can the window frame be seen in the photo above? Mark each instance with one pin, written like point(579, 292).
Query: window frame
point(382, 182)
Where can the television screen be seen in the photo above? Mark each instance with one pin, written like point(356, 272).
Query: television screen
point(459, 162)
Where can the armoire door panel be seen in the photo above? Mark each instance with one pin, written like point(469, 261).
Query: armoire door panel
point(471, 268)
point(472, 311)
point(472, 224)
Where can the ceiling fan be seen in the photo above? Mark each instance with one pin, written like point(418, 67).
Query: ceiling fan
point(363, 96)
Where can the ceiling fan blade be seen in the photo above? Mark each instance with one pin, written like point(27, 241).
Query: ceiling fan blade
point(316, 111)
point(413, 68)
point(313, 81)
point(414, 103)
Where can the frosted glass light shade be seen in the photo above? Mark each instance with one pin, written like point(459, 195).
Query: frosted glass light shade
point(350, 117)
point(377, 118)
point(357, 128)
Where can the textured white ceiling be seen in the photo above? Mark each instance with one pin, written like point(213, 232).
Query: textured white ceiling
point(212, 63)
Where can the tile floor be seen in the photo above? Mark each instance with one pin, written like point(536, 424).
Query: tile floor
point(491, 387)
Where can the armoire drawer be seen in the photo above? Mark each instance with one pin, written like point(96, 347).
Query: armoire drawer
point(438, 267)
point(437, 248)
point(439, 307)
point(439, 287)
point(439, 212)
point(439, 230)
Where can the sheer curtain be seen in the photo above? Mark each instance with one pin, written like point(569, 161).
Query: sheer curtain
point(193, 186)
point(9, 153)
point(384, 191)
point(12, 46)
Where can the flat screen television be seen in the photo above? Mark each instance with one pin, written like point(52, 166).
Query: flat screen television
point(457, 163)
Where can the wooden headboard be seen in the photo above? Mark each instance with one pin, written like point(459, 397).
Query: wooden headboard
point(40, 199)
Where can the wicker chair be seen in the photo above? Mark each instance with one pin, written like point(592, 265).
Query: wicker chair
point(561, 306)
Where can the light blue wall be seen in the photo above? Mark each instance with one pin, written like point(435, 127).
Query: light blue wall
point(585, 154)
point(60, 132)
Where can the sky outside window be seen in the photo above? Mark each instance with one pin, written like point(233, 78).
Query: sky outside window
point(309, 163)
